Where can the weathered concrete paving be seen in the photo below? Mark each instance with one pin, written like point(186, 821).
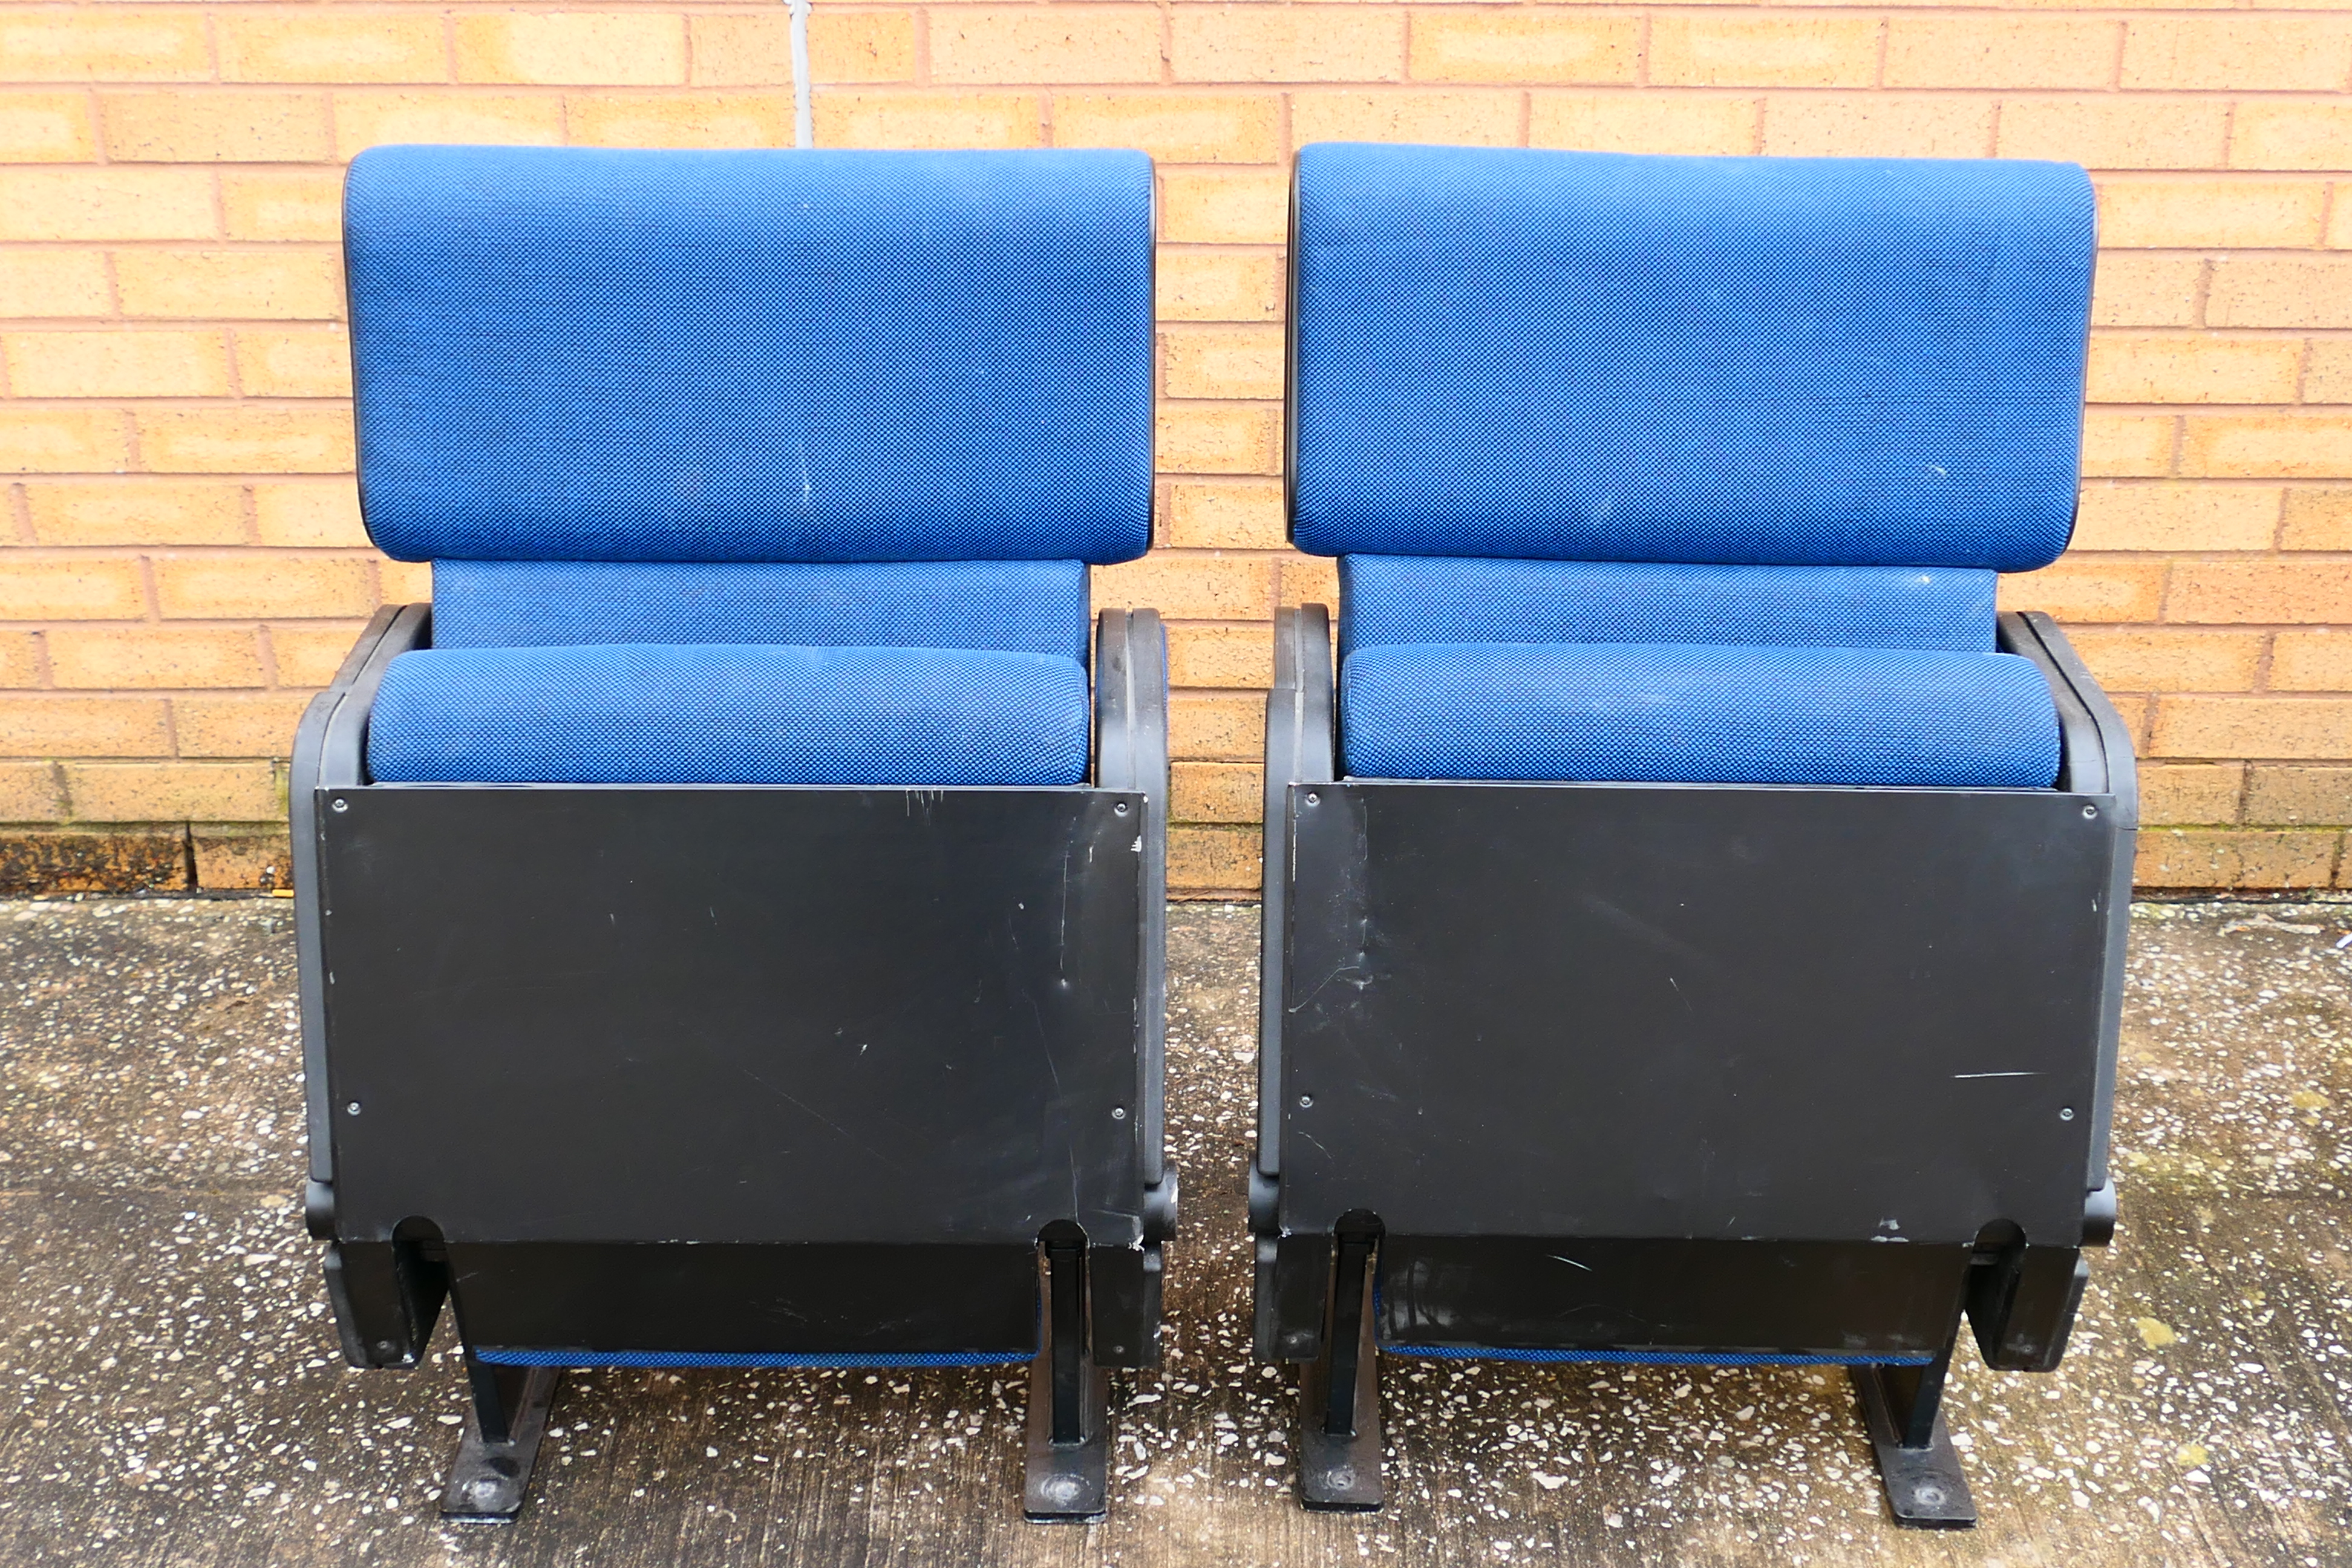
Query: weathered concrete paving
point(170, 1391)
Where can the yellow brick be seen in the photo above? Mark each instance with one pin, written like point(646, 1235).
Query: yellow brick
point(1210, 861)
point(85, 726)
point(117, 363)
point(2179, 214)
point(75, 588)
point(1979, 50)
point(2128, 291)
point(404, 581)
point(106, 204)
point(2299, 794)
point(756, 51)
point(2145, 659)
point(1174, 127)
point(284, 283)
point(2219, 593)
point(2267, 446)
point(147, 656)
point(2193, 369)
point(261, 725)
point(20, 662)
point(2276, 133)
point(1224, 206)
point(244, 440)
point(1223, 514)
point(2315, 661)
point(2281, 291)
point(2087, 590)
point(1557, 46)
point(293, 362)
point(2317, 519)
point(1453, 118)
point(2177, 516)
point(1216, 792)
point(2127, 445)
point(309, 655)
point(232, 587)
point(1877, 125)
point(2209, 858)
point(31, 791)
point(564, 48)
point(2118, 132)
point(2172, 793)
point(170, 792)
point(1203, 727)
point(54, 282)
point(369, 118)
point(2328, 372)
point(330, 46)
point(283, 204)
point(136, 512)
point(679, 118)
point(1219, 286)
point(1310, 580)
point(2268, 54)
point(108, 44)
point(1644, 123)
point(1208, 655)
point(1188, 587)
point(1220, 362)
point(215, 127)
point(242, 855)
point(992, 45)
point(46, 128)
point(928, 120)
point(1287, 43)
point(62, 440)
point(2339, 216)
point(1723, 48)
point(308, 513)
point(1219, 438)
point(2295, 729)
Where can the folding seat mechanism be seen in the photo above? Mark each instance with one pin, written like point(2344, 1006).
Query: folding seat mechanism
point(1068, 1478)
point(1338, 1391)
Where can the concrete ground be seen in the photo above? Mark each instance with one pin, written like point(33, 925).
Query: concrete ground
point(173, 1394)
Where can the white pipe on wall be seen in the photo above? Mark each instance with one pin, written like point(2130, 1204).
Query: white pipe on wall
point(803, 118)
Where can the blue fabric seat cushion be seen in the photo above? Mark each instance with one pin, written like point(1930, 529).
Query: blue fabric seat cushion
point(1427, 599)
point(1012, 607)
point(646, 714)
point(1697, 714)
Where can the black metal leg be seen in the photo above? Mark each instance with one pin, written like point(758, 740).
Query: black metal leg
point(501, 1441)
point(1902, 1408)
point(1070, 1400)
point(1339, 1394)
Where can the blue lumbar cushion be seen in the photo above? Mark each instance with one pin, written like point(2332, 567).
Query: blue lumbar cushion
point(1589, 356)
point(1012, 607)
point(1430, 599)
point(1697, 714)
point(638, 713)
point(568, 354)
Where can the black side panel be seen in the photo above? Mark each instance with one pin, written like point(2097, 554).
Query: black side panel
point(733, 1015)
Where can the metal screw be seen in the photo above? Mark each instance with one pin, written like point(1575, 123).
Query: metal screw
point(1306, 1102)
point(1120, 809)
point(2065, 1114)
point(1118, 1114)
point(342, 804)
point(1314, 799)
point(2089, 812)
point(353, 1109)
point(1929, 1496)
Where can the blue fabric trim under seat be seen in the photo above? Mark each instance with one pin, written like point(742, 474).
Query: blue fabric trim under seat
point(1695, 714)
point(1428, 599)
point(1536, 355)
point(642, 714)
point(1011, 606)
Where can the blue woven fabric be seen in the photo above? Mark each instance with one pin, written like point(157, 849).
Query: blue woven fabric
point(1694, 714)
point(1590, 356)
point(1658, 1358)
point(568, 354)
point(1012, 607)
point(641, 713)
point(854, 1359)
point(1430, 599)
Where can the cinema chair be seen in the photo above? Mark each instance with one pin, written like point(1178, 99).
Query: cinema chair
point(1695, 926)
point(731, 916)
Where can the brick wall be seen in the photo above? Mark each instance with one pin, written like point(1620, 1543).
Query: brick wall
point(180, 560)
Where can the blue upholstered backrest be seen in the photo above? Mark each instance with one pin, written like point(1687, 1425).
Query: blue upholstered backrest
point(568, 354)
point(1589, 356)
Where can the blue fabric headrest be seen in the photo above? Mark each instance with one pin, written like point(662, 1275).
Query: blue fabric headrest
point(1737, 361)
point(569, 354)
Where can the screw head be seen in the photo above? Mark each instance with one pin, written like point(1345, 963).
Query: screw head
point(1119, 809)
point(353, 1109)
point(1118, 1114)
point(1928, 1495)
point(2089, 812)
point(339, 803)
point(2065, 1114)
point(1314, 799)
point(1306, 1102)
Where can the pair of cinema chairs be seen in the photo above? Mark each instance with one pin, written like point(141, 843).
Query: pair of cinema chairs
point(732, 912)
